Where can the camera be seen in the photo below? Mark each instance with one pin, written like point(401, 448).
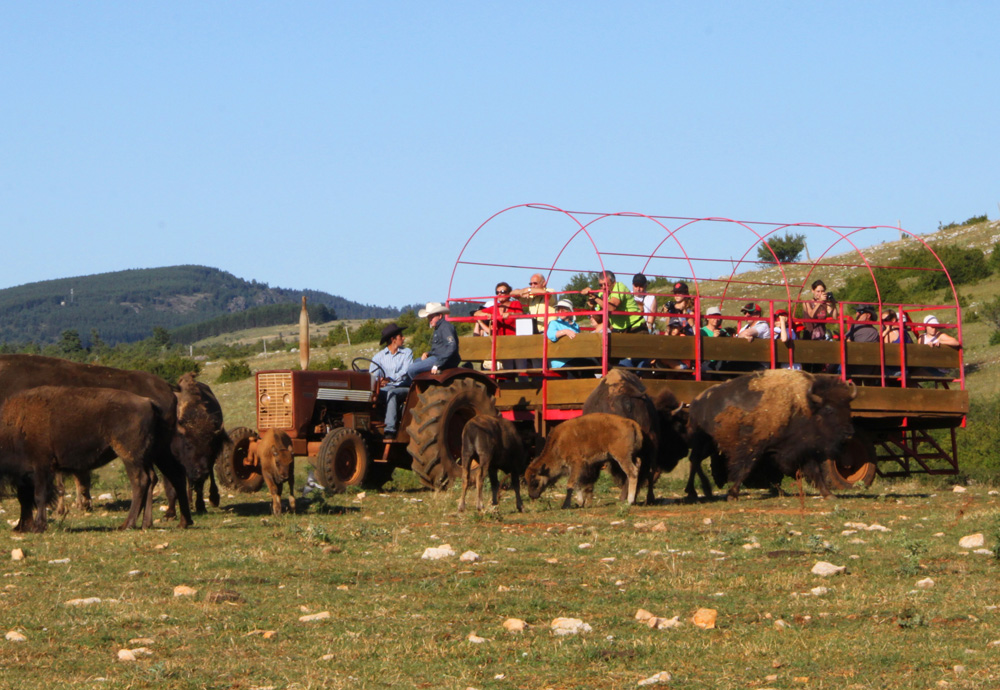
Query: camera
point(829, 297)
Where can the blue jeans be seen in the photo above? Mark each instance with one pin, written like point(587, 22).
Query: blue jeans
point(393, 397)
point(421, 366)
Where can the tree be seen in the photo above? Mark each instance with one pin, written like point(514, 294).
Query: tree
point(161, 336)
point(70, 345)
point(577, 282)
point(787, 248)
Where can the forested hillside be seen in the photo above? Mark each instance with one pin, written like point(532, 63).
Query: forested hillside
point(125, 306)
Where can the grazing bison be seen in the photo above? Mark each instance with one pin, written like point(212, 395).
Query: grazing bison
point(494, 443)
point(200, 423)
point(21, 372)
point(579, 447)
point(783, 421)
point(74, 430)
point(274, 456)
point(622, 393)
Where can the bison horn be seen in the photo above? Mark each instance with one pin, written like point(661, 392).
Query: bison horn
point(677, 409)
point(854, 389)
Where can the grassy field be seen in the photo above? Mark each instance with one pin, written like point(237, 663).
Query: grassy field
point(396, 620)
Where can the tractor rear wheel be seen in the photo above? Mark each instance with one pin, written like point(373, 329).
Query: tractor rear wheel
point(438, 418)
point(855, 464)
point(342, 460)
point(235, 468)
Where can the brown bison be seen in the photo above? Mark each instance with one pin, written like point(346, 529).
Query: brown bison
point(277, 464)
point(783, 421)
point(21, 372)
point(493, 443)
point(579, 447)
point(663, 420)
point(74, 430)
point(200, 423)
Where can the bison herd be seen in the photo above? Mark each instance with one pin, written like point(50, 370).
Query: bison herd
point(757, 428)
point(63, 418)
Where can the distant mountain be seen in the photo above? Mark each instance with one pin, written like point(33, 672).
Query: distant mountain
point(125, 306)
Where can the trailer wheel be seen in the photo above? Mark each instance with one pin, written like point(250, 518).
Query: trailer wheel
point(342, 460)
point(235, 469)
point(435, 432)
point(856, 464)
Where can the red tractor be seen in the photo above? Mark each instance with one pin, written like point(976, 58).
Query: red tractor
point(333, 418)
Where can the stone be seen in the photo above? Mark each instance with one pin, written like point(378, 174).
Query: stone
point(514, 625)
point(133, 654)
point(435, 553)
point(469, 557)
point(664, 623)
point(824, 569)
point(142, 641)
point(926, 583)
point(475, 639)
point(655, 679)
point(569, 626)
point(15, 636)
point(59, 561)
point(819, 591)
point(83, 602)
point(642, 615)
point(17, 555)
point(705, 618)
point(313, 617)
point(781, 624)
point(184, 591)
point(585, 545)
point(958, 489)
point(972, 541)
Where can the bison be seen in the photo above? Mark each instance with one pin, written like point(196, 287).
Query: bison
point(785, 421)
point(75, 430)
point(494, 443)
point(277, 464)
point(663, 420)
point(580, 447)
point(200, 423)
point(21, 372)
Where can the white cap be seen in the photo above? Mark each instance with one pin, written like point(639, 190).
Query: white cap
point(931, 319)
point(564, 304)
point(713, 311)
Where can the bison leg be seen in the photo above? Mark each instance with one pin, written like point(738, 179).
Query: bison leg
point(569, 497)
point(138, 477)
point(213, 489)
point(274, 489)
point(515, 481)
point(291, 487)
point(737, 475)
point(147, 513)
point(196, 495)
point(42, 482)
point(82, 481)
point(494, 484)
point(26, 499)
point(173, 476)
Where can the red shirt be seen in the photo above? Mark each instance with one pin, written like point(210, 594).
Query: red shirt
point(505, 322)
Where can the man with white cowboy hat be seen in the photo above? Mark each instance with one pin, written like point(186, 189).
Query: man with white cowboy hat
point(444, 343)
point(390, 366)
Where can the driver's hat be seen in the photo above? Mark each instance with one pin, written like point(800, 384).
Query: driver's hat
point(389, 332)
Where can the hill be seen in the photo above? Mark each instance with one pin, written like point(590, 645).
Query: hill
point(125, 306)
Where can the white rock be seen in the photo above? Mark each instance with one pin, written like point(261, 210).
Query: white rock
point(569, 626)
point(59, 561)
point(926, 583)
point(781, 624)
point(972, 541)
point(878, 528)
point(643, 615)
point(15, 636)
point(16, 555)
point(514, 625)
point(328, 657)
point(585, 545)
point(983, 552)
point(105, 497)
point(819, 591)
point(134, 573)
point(664, 623)
point(752, 545)
point(184, 591)
point(475, 639)
point(83, 602)
point(824, 569)
point(707, 521)
point(656, 679)
point(312, 617)
point(958, 489)
point(133, 654)
point(469, 557)
point(855, 525)
point(434, 553)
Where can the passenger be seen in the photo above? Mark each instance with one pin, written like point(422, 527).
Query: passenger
point(444, 342)
point(933, 334)
point(784, 330)
point(501, 313)
point(890, 327)
point(538, 298)
point(390, 366)
point(863, 332)
point(822, 306)
point(713, 324)
point(753, 329)
point(619, 300)
point(682, 303)
point(565, 326)
point(646, 301)
point(678, 328)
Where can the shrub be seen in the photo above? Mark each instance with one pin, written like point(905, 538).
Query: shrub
point(994, 338)
point(979, 443)
point(991, 311)
point(786, 248)
point(994, 261)
point(234, 371)
point(172, 368)
point(328, 364)
point(964, 265)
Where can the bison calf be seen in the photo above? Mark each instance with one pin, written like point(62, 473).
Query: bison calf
point(75, 430)
point(274, 454)
point(579, 447)
point(494, 444)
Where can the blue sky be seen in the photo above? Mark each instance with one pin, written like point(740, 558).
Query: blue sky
point(354, 147)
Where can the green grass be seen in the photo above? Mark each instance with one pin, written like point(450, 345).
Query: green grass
point(399, 621)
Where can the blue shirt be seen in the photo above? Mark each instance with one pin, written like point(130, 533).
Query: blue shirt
point(394, 365)
point(552, 334)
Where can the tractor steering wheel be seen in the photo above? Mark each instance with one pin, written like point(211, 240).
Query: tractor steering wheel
point(355, 367)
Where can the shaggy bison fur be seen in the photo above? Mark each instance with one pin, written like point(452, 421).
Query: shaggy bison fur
point(782, 421)
point(493, 443)
point(277, 464)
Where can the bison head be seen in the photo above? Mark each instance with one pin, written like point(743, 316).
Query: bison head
point(538, 477)
point(274, 451)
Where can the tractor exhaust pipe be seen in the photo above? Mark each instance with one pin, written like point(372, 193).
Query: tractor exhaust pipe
point(304, 336)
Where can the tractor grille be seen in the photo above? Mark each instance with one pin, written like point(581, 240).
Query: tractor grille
point(335, 394)
point(274, 400)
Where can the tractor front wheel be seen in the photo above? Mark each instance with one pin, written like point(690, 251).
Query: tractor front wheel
point(855, 464)
point(342, 460)
point(438, 418)
point(235, 468)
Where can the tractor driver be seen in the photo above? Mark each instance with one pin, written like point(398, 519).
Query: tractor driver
point(391, 365)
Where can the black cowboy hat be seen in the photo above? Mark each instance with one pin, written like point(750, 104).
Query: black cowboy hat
point(389, 332)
